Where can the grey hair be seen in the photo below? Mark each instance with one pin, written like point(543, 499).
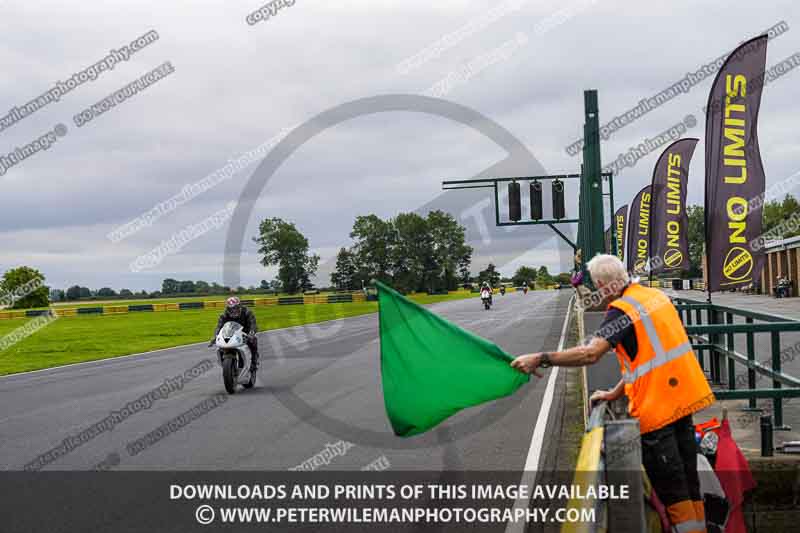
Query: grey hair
point(608, 269)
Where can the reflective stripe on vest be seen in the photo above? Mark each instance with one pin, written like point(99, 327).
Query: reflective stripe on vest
point(662, 356)
point(690, 526)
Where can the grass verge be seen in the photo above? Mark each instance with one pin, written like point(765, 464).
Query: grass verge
point(89, 338)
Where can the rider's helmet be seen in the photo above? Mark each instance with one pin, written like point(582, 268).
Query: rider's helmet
point(233, 306)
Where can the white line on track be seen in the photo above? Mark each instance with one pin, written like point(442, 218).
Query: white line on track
point(535, 451)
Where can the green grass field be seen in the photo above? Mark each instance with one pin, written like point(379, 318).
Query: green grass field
point(89, 338)
point(172, 299)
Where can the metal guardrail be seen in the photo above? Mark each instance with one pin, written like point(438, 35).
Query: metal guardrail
point(610, 454)
point(713, 328)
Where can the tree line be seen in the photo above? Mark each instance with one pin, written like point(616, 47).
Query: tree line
point(410, 252)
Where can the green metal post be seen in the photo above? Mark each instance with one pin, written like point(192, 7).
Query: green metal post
point(713, 318)
point(591, 199)
point(731, 346)
point(777, 403)
point(751, 374)
point(698, 315)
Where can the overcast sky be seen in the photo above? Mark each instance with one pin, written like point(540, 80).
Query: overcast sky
point(237, 85)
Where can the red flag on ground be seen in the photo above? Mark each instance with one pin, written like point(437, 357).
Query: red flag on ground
point(734, 475)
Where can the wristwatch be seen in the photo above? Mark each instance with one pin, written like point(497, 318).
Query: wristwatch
point(544, 361)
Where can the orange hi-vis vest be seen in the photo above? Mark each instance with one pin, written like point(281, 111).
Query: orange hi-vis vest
point(664, 381)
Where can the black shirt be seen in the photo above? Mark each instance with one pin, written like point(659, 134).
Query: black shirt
point(618, 328)
point(246, 318)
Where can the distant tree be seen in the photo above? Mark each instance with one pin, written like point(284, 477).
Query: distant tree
point(413, 256)
point(464, 262)
point(57, 295)
point(312, 264)
point(73, 293)
point(85, 292)
point(106, 292)
point(170, 286)
point(524, 276)
point(543, 277)
point(23, 287)
point(450, 251)
point(276, 285)
point(264, 285)
point(374, 243)
point(346, 274)
point(564, 277)
point(695, 232)
point(490, 274)
point(126, 293)
point(282, 244)
point(775, 213)
point(202, 286)
point(185, 287)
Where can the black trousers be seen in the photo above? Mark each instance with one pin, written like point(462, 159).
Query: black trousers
point(252, 343)
point(669, 456)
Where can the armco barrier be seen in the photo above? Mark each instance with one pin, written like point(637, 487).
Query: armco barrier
point(140, 307)
point(115, 310)
point(90, 310)
point(190, 305)
point(290, 300)
point(339, 298)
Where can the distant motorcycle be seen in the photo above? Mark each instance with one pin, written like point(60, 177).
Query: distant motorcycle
point(525, 290)
point(502, 291)
point(234, 357)
point(486, 298)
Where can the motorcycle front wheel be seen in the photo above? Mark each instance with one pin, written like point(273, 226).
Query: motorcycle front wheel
point(229, 374)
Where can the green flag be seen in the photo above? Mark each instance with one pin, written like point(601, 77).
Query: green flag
point(431, 368)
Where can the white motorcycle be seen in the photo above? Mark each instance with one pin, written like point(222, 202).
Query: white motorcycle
point(486, 298)
point(234, 356)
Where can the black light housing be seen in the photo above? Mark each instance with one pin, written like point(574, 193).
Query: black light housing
point(536, 200)
point(558, 200)
point(514, 202)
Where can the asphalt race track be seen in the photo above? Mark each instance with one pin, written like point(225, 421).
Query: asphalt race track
point(318, 401)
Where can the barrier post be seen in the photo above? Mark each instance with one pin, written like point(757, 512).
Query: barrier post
point(623, 461)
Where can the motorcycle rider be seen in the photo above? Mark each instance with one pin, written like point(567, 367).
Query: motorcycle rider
point(236, 312)
point(486, 291)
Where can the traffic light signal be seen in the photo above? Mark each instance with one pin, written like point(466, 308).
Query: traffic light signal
point(558, 199)
point(536, 200)
point(514, 204)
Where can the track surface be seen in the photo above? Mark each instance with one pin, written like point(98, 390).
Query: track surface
point(319, 386)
